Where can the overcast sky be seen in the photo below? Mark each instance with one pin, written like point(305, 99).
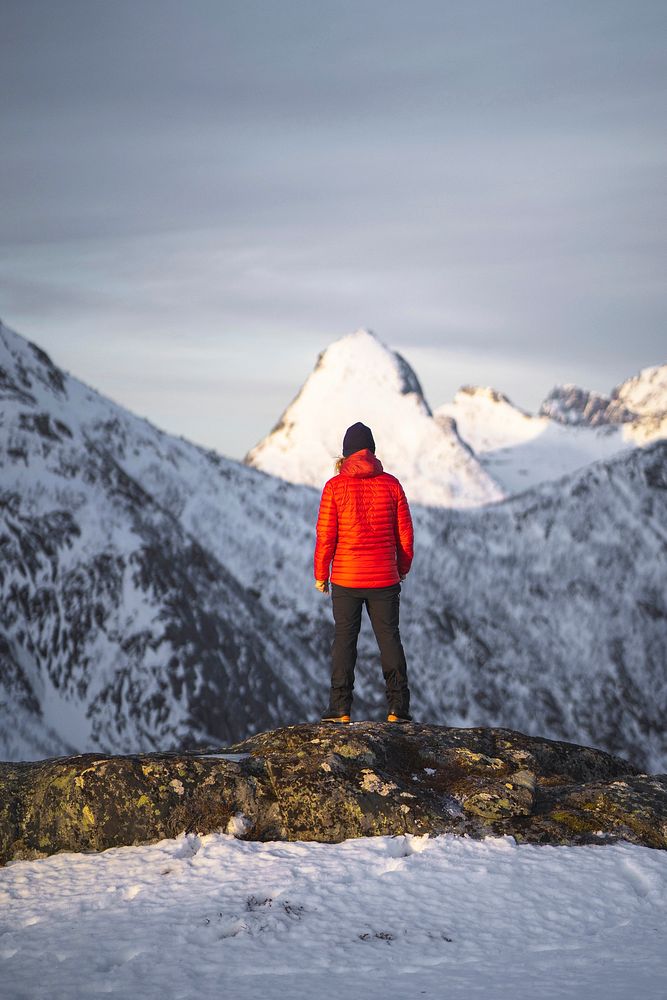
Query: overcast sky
point(197, 197)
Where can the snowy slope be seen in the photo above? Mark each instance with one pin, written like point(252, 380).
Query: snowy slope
point(551, 608)
point(477, 449)
point(573, 428)
point(119, 628)
point(519, 449)
point(154, 594)
point(372, 918)
point(645, 393)
point(642, 397)
point(359, 378)
point(637, 406)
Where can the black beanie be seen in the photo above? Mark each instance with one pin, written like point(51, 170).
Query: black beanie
point(357, 437)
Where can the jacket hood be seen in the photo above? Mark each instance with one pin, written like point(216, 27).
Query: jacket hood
point(361, 464)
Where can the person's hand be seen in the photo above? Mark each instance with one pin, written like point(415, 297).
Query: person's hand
point(402, 576)
point(322, 586)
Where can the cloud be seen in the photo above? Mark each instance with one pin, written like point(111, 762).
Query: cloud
point(483, 178)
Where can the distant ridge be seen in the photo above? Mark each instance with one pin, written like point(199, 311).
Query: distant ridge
point(573, 428)
point(640, 402)
point(476, 450)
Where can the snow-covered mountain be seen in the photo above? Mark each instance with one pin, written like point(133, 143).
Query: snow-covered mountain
point(359, 378)
point(573, 406)
point(573, 428)
point(155, 594)
point(636, 410)
point(532, 610)
point(640, 401)
point(133, 573)
point(477, 449)
point(519, 449)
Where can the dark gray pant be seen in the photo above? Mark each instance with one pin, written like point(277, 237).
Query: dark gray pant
point(382, 604)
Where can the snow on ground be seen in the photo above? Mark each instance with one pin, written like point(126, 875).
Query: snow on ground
point(406, 917)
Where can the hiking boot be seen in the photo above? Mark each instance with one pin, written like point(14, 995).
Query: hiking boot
point(393, 717)
point(331, 717)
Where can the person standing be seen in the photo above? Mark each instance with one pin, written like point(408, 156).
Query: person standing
point(364, 547)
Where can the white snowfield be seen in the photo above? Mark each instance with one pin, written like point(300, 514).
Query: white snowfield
point(645, 393)
point(520, 449)
point(401, 917)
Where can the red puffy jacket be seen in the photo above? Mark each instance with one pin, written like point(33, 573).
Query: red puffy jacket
point(364, 525)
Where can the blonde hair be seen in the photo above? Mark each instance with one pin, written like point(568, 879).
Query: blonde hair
point(339, 462)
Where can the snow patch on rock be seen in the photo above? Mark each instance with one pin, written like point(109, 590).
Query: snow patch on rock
point(238, 825)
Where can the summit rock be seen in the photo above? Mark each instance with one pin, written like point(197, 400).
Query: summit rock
point(331, 783)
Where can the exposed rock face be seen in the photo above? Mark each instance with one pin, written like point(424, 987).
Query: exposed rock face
point(640, 400)
point(123, 624)
point(329, 783)
point(573, 428)
point(570, 404)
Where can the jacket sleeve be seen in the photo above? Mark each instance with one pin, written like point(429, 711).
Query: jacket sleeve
point(327, 533)
point(404, 534)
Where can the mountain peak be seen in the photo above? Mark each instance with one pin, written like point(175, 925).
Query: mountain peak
point(359, 378)
point(570, 404)
point(361, 333)
point(485, 394)
point(645, 393)
point(640, 397)
point(363, 356)
point(27, 372)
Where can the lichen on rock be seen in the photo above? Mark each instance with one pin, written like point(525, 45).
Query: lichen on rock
point(330, 783)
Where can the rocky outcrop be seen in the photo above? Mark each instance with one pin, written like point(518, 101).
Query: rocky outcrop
point(640, 401)
point(570, 404)
point(329, 783)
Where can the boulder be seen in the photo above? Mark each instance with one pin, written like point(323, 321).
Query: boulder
point(328, 783)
